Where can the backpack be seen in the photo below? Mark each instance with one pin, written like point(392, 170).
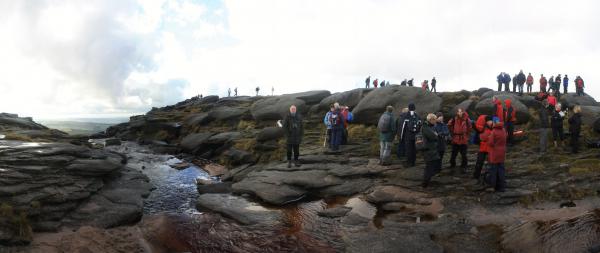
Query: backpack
point(350, 117)
point(420, 143)
point(384, 124)
point(335, 119)
point(579, 83)
point(414, 123)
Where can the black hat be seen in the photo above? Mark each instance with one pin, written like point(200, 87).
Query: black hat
point(411, 107)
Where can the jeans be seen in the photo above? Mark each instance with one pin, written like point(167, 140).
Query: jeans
point(479, 164)
point(336, 138)
point(328, 141)
point(296, 150)
point(543, 139)
point(385, 150)
point(497, 177)
point(565, 88)
point(456, 148)
point(529, 88)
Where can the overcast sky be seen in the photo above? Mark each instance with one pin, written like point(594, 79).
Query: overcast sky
point(98, 58)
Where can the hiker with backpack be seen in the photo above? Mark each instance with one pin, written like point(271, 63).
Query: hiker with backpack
point(337, 127)
point(483, 126)
point(529, 83)
point(403, 83)
point(387, 131)
point(579, 85)
point(294, 131)
point(429, 142)
point(521, 81)
point(401, 151)
point(327, 122)
point(556, 122)
point(411, 125)
point(443, 134)
point(460, 129)
point(543, 83)
point(565, 84)
point(433, 83)
point(496, 142)
point(544, 126)
point(368, 82)
point(575, 128)
point(551, 101)
point(509, 121)
point(506, 79)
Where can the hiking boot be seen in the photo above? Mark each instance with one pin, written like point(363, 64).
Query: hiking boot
point(296, 163)
point(289, 164)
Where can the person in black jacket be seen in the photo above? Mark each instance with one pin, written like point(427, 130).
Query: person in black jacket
point(294, 131)
point(514, 81)
point(411, 126)
point(433, 83)
point(544, 126)
point(433, 163)
point(403, 83)
point(556, 122)
point(575, 128)
point(410, 82)
point(521, 78)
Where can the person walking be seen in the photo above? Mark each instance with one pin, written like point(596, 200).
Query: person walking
point(575, 128)
point(294, 131)
point(509, 121)
point(497, 153)
point(257, 90)
point(410, 82)
point(544, 126)
point(556, 122)
point(579, 85)
point(529, 83)
point(433, 162)
point(228, 92)
point(368, 82)
point(387, 131)
point(235, 90)
point(443, 134)
point(543, 83)
point(411, 126)
point(483, 126)
point(400, 125)
point(433, 84)
point(460, 129)
point(565, 84)
point(337, 127)
point(327, 122)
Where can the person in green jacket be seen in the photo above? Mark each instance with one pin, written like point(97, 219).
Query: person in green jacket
point(387, 132)
point(431, 155)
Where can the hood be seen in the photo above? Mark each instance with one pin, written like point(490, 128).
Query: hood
point(507, 102)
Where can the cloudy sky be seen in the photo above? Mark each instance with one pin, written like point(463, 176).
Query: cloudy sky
point(84, 58)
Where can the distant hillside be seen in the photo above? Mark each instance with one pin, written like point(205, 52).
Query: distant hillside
point(75, 127)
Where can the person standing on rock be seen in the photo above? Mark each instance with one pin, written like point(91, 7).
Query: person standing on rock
point(484, 126)
point(551, 84)
point(228, 92)
point(509, 120)
point(514, 82)
point(337, 127)
point(529, 83)
point(410, 82)
point(257, 90)
point(543, 83)
point(544, 126)
point(460, 129)
point(272, 91)
point(557, 125)
point(521, 81)
point(401, 152)
point(575, 128)
point(375, 83)
point(382, 84)
point(410, 127)
point(500, 80)
point(497, 153)
point(433, 83)
point(368, 82)
point(425, 85)
point(403, 83)
point(565, 84)
point(433, 162)
point(387, 131)
point(579, 85)
point(327, 122)
point(235, 90)
point(507, 82)
point(294, 131)
point(557, 82)
point(443, 134)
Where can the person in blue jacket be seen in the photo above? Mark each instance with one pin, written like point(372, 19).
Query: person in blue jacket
point(328, 125)
point(443, 134)
point(566, 83)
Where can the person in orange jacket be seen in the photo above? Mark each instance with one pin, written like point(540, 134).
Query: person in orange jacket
point(498, 109)
point(460, 129)
point(484, 128)
point(529, 83)
point(543, 83)
point(496, 142)
point(510, 117)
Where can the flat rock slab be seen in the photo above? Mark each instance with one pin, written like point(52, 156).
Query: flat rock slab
point(238, 208)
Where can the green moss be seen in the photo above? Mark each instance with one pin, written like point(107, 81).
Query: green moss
point(246, 125)
point(362, 132)
point(585, 166)
point(245, 144)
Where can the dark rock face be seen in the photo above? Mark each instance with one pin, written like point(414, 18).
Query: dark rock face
point(112, 142)
point(275, 108)
point(193, 142)
point(55, 183)
point(349, 98)
point(373, 105)
point(310, 97)
point(591, 116)
point(13, 120)
point(571, 99)
point(467, 105)
point(238, 208)
point(270, 133)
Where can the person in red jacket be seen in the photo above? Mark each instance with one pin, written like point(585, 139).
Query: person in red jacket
point(460, 128)
point(484, 128)
point(375, 82)
point(543, 83)
point(551, 101)
point(510, 117)
point(498, 109)
point(496, 142)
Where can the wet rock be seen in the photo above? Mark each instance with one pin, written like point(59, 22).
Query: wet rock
point(348, 188)
point(334, 212)
point(237, 173)
point(224, 187)
point(269, 192)
point(214, 169)
point(238, 208)
point(361, 213)
point(371, 106)
point(270, 133)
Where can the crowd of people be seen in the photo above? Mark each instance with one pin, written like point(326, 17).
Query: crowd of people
point(547, 86)
point(424, 85)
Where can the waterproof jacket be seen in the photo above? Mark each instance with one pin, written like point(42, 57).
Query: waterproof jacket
point(460, 128)
point(345, 114)
point(557, 119)
point(521, 79)
point(405, 128)
point(543, 83)
point(544, 122)
point(529, 80)
point(337, 117)
point(510, 115)
point(326, 120)
point(443, 133)
point(496, 141)
point(483, 130)
point(389, 135)
point(575, 124)
point(499, 111)
point(565, 81)
point(431, 143)
point(293, 128)
point(552, 100)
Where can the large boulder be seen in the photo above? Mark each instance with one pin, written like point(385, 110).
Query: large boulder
point(467, 105)
point(310, 97)
point(274, 108)
point(349, 98)
point(222, 113)
point(590, 115)
point(571, 99)
point(270, 133)
point(485, 106)
point(239, 209)
point(479, 92)
point(371, 106)
point(192, 142)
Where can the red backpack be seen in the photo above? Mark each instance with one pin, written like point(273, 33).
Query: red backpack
point(579, 83)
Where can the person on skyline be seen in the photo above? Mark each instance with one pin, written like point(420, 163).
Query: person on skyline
point(368, 82)
point(272, 90)
point(229, 92)
point(433, 83)
point(257, 90)
point(235, 90)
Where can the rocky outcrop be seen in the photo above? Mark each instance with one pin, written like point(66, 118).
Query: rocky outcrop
point(14, 121)
point(349, 98)
point(591, 117)
point(238, 208)
point(373, 105)
point(571, 99)
point(275, 108)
